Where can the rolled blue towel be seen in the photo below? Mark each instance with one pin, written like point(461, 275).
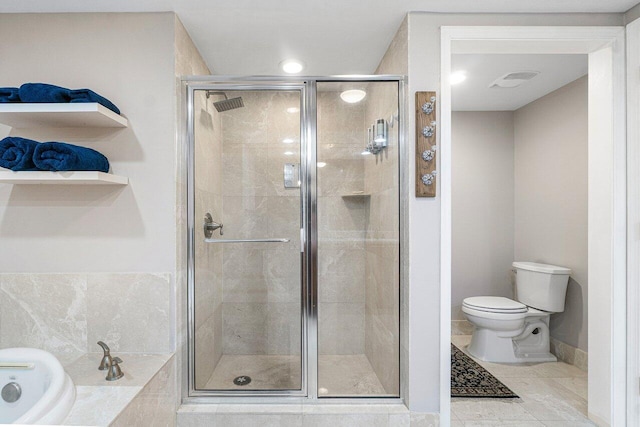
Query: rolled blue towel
point(17, 154)
point(58, 156)
point(42, 92)
point(9, 94)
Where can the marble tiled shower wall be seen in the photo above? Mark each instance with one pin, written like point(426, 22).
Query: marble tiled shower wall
point(382, 263)
point(261, 306)
point(68, 313)
point(208, 257)
point(342, 217)
point(358, 235)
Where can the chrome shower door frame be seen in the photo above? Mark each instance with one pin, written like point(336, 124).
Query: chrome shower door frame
point(307, 86)
point(219, 84)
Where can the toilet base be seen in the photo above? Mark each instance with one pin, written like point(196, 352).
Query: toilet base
point(532, 345)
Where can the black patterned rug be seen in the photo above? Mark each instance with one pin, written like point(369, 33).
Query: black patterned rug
point(468, 379)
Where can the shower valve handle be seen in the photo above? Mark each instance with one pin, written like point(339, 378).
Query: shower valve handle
point(210, 226)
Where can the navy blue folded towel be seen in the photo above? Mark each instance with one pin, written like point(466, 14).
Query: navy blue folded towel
point(9, 94)
point(17, 154)
point(42, 92)
point(58, 156)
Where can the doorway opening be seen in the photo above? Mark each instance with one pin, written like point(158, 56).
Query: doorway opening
point(519, 236)
point(606, 240)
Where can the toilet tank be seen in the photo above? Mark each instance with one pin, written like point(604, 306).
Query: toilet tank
point(541, 286)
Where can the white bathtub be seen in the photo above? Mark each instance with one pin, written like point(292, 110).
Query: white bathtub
point(35, 387)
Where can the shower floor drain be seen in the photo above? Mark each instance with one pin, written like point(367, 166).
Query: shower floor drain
point(242, 380)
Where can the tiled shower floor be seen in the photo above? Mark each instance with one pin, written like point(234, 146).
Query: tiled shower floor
point(340, 375)
point(551, 394)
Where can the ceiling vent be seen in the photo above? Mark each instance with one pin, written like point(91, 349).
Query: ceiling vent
point(515, 79)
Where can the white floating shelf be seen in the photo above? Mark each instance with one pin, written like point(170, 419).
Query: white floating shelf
point(77, 114)
point(46, 177)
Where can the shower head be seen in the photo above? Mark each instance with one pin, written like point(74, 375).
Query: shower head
point(226, 104)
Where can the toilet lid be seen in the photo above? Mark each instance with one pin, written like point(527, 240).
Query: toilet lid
point(495, 304)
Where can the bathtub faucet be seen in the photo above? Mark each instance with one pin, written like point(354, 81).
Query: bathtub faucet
point(110, 364)
point(106, 357)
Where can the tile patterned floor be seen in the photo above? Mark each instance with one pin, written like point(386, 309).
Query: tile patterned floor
point(551, 394)
point(341, 375)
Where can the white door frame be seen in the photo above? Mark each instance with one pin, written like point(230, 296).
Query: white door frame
point(633, 221)
point(606, 49)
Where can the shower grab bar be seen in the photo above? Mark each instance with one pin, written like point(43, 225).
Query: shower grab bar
point(246, 240)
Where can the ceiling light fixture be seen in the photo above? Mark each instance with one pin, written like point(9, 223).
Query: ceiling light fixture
point(288, 153)
point(365, 153)
point(353, 95)
point(291, 66)
point(292, 110)
point(514, 79)
point(457, 77)
point(321, 164)
point(287, 141)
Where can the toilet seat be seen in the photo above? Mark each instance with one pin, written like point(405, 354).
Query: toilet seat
point(494, 305)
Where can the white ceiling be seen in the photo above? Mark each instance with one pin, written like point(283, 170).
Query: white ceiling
point(330, 36)
point(474, 93)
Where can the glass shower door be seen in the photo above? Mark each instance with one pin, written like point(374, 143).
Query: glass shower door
point(247, 261)
point(358, 243)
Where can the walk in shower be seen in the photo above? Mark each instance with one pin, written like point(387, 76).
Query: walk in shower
point(293, 228)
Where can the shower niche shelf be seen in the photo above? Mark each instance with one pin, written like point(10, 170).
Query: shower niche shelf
point(64, 178)
point(60, 115)
point(355, 195)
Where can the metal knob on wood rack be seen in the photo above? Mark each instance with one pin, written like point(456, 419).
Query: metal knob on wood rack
point(427, 179)
point(428, 131)
point(428, 107)
point(428, 155)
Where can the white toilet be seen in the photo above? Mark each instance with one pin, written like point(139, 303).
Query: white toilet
point(508, 331)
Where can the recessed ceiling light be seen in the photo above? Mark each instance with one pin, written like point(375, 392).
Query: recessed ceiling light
point(321, 164)
point(292, 110)
point(291, 66)
point(353, 95)
point(457, 77)
point(287, 141)
point(365, 153)
point(288, 153)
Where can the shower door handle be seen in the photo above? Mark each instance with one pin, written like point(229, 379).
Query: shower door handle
point(276, 240)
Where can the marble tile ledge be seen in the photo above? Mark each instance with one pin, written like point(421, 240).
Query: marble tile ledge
point(98, 401)
point(301, 414)
point(293, 408)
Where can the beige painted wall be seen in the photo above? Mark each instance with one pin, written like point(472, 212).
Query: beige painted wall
point(128, 58)
point(102, 233)
point(551, 196)
point(482, 206)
